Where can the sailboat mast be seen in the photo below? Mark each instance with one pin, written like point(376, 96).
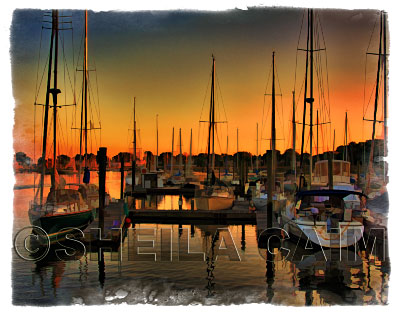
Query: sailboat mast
point(180, 151)
point(211, 123)
point(190, 156)
point(85, 73)
point(311, 99)
point(172, 153)
point(305, 96)
point(333, 150)
point(371, 155)
point(157, 141)
point(257, 149)
point(273, 127)
point(345, 139)
point(317, 134)
point(55, 91)
point(213, 116)
point(226, 157)
point(294, 135)
point(237, 154)
point(385, 130)
point(134, 145)
point(46, 108)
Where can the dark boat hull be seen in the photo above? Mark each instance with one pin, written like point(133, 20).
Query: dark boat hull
point(57, 226)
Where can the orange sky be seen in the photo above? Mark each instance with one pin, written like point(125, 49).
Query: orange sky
point(164, 59)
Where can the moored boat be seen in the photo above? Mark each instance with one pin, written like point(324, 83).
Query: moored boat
point(213, 196)
point(66, 207)
point(323, 217)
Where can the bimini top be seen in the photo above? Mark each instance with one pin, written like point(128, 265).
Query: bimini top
point(339, 193)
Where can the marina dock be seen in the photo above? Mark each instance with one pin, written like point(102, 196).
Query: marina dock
point(114, 217)
point(168, 190)
point(238, 214)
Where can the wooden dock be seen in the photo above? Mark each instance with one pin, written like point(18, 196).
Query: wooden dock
point(238, 214)
point(167, 190)
point(114, 217)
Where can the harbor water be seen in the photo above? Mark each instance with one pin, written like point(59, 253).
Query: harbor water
point(81, 279)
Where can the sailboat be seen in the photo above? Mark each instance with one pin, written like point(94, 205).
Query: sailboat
point(261, 201)
point(378, 203)
point(64, 208)
point(130, 183)
point(323, 215)
point(372, 178)
point(215, 195)
point(176, 178)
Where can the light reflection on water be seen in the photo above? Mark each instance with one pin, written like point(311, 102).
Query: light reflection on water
point(306, 282)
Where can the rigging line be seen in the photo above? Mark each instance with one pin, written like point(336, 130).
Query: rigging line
point(65, 62)
point(299, 95)
point(205, 95)
point(365, 68)
point(219, 143)
point(372, 33)
point(73, 61)
point(41, 128)
point(91, 117)
point(198, 138)
point(98, 99)
point(297, 51)
point(265, 91)
point(220, 95)
point(327, 79)
point(41, 80)
point(306, 146)
point(280, 117)
point(79, 53)
point(65, 91)
point(365, 83)
point(266, 117)
point(38, 63)
point(370, 98)
point(97, 104)
point(60, 135)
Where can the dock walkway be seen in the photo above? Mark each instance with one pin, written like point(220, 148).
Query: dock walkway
point(238, 214)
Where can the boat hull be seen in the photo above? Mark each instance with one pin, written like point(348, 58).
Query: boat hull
point(213, 203)
point(348, 233)
point(260, 203)
point(53, 224)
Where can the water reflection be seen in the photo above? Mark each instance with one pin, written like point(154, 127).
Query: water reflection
point(303, 278)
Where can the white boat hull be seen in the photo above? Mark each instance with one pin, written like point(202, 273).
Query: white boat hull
point(349, 233)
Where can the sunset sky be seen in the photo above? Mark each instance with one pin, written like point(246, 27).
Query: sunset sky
point(164, 59)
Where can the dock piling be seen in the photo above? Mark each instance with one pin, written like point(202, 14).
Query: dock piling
point(102, 161)
point(180, 201)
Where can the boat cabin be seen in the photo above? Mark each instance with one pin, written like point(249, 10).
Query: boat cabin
point(340, 169)
point(323, 204)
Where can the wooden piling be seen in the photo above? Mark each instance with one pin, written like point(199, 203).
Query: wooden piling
point(102, 162)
